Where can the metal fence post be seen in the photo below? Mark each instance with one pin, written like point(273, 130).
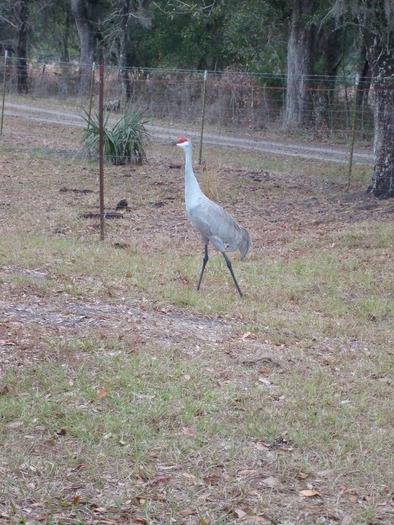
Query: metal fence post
point(204, 91)
point(353, 136)
point(91, 93)
point(4, 88)
point(101, 148)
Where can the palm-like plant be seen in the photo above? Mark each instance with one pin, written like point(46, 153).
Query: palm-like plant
point(123, 144)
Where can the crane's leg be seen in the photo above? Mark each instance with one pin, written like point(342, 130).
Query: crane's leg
point(228, 262)
point(204, 263)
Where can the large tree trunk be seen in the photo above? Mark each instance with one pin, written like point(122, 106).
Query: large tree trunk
point(21, 49)
point(300, 53)
point(123, 50)
point(132, 12)
point(378, 35)
point(65, 38)
point(330, 56)
point(86, 13)
point(383, 103)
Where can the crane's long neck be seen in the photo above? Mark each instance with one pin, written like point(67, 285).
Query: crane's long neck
point(192, 188)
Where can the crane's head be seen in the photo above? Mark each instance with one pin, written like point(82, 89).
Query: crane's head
point(183, 143)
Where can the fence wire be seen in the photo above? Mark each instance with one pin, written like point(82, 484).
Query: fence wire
point(336, 109)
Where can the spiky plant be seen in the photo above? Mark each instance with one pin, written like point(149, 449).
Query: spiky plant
point(123, 144)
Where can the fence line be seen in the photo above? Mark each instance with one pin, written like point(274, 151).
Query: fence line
point(233, 99)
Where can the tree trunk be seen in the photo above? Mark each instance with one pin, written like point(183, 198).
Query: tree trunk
point(86, 13)
point(331, 45)
point(132, 12)
point(383, 103)
point(378, 36)
point(123, 50)
point(300, 65)
point(21, 49)
point(65, 53)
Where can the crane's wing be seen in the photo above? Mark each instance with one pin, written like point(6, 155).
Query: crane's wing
point(219, 227)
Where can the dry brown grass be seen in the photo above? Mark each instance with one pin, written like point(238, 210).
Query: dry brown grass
point(125, 397)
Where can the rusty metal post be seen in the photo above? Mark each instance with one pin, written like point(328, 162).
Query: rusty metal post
point(91, 93)
point(4, 88)
point(101, 149)
point(204, 92)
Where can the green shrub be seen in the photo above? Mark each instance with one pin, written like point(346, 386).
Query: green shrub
point(123, 144)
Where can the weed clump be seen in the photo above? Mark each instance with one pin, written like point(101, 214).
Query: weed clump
point(123, 144)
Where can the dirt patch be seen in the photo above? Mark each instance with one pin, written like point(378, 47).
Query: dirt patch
point(26, 316)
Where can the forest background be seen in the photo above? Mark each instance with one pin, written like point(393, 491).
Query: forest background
point(310, 51)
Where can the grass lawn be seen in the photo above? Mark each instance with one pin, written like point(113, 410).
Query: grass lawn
point(128, 398)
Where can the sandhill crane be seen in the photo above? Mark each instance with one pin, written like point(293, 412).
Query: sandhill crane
point(213, 223)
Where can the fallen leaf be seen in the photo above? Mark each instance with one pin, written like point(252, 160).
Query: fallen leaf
point(188, 476)
point(186, 512)
point(76, 500)
point(261, 446)
point(102, 392)
point(15, 424)
point(271, 482)
point(353, 498)
point(302, 475)
point(189, 432)
point(256, 519)
point(160, 479)
point(139, 519)
point(246, 472)
point(247, 335)
point(213, 479)
point(308, 493)
point(279, 398)
point(100, 510)
point(238, 513)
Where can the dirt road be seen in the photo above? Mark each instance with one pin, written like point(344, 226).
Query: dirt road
point(290, 148)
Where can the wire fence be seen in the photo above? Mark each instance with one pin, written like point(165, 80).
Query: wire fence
point(336, 109)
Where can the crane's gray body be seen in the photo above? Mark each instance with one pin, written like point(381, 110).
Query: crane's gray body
point(217, 226)
point(213, 223)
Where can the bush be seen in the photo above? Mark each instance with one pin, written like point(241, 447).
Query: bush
point(123, 144)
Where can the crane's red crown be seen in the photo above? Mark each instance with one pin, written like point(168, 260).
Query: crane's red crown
point(182, 140)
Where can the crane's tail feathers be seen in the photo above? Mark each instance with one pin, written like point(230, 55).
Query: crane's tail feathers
point(245, 244)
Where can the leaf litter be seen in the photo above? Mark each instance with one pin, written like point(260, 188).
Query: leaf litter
point(35, 313)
